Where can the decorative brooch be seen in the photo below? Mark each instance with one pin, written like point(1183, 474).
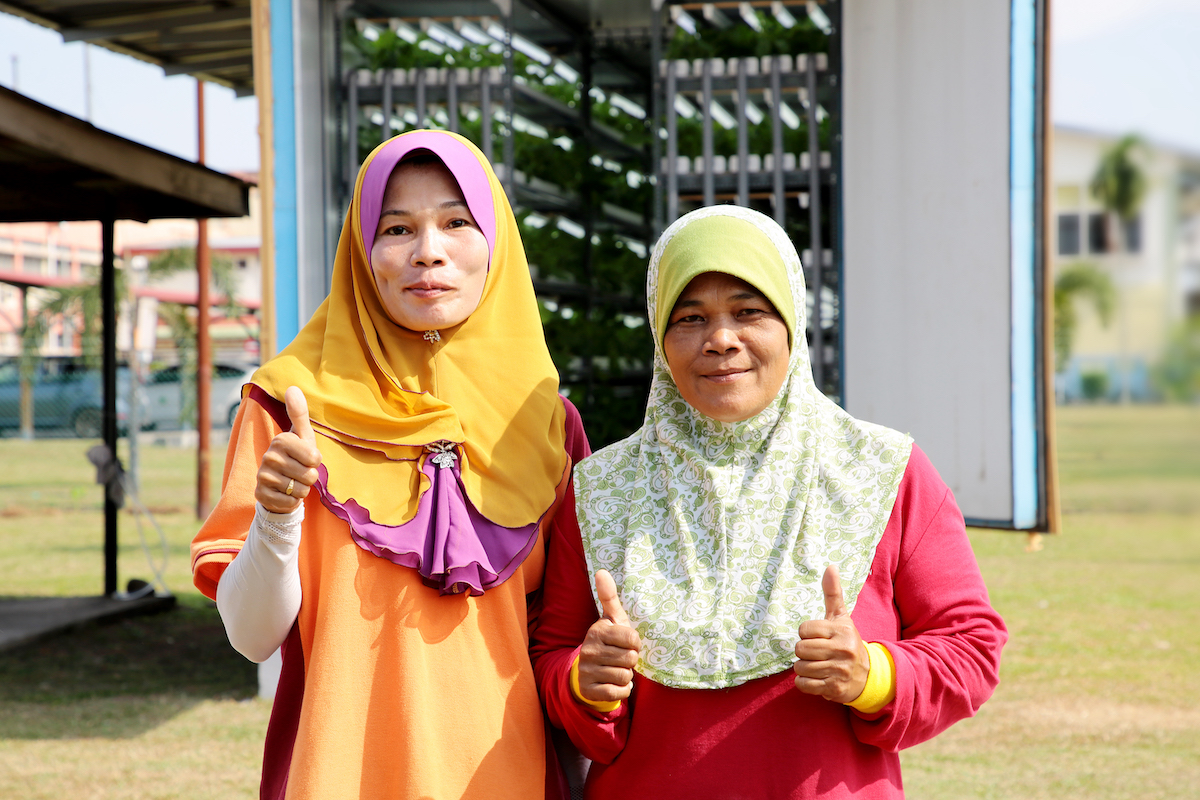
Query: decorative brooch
point(443, 453)
point(432, 336)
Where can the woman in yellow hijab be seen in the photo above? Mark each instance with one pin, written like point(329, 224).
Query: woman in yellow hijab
point(389, 480)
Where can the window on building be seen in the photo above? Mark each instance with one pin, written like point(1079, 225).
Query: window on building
point(1097, 233)
point(1132, 228)
point(33, 265)
point(63, 263)
point(1068, 234)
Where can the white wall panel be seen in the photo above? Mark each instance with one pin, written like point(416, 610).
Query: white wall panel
point(928, 191)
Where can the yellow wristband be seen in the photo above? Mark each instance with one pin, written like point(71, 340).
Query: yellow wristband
point(603, 706)
point(881, 681)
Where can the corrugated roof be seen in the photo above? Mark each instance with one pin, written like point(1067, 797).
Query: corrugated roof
point(210, 41)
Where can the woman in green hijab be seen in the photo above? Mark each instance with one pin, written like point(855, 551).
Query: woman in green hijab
point(758, 595)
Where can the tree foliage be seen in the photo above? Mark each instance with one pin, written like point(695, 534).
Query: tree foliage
point(1177, 375)
point(183, 259)
point(1119, 182)
point(1077, 282)
point(82, 306)
point(69, 306)
point(740, 41)
point(180, 319)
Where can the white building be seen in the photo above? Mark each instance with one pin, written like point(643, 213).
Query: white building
point(1154, 262)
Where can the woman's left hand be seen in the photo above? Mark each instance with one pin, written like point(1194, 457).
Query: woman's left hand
point(833, 660)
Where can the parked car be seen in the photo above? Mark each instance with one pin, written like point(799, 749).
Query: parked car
point(67, 394)
point(162, 396)
point(232, 400)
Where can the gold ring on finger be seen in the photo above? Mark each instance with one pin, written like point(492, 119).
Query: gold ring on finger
point(291, 485)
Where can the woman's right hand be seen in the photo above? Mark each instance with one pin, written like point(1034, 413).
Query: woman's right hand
point(289, 467)
point(610, 649)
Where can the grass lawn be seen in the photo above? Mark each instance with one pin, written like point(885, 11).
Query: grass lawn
point(148, 707)
point(1094, 700)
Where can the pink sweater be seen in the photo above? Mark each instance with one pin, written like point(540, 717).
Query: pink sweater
point(925, 600)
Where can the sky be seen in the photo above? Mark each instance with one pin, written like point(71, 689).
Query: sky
point(1117, 66)
point(1121, 66)
point(129, 97)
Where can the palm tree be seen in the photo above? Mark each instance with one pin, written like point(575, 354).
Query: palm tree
point(65, 305)
point(1119, 183)
point(82, 304)
point(76, 303)
point(181, 319)
point(1078, 281)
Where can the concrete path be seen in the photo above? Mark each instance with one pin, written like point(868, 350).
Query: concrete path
point(27, 619)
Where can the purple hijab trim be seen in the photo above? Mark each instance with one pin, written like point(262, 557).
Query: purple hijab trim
point(453, 547)
point(458, 158)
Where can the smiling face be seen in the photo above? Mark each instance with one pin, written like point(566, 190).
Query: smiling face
point(429, 257)
point(726, 347)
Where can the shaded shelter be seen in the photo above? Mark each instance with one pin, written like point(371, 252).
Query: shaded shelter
point(211, 41)
point(56, 167)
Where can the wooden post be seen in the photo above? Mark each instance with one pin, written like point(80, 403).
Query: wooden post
point(260, 19)
point(1049, 396)
point(203, 342)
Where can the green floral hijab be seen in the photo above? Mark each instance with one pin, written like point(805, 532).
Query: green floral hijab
point(717, 534)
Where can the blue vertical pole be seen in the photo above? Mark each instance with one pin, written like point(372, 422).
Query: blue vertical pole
point(283, 88)
point(1022, 222)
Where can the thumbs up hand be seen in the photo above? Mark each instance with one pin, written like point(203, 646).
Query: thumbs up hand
point(832, 659)
point(289, 467)
point(610, 649)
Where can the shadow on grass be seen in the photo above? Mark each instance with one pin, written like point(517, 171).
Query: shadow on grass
point(118, 679)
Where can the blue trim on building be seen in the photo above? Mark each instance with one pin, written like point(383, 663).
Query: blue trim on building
point(283, 95)
point(1022, 223)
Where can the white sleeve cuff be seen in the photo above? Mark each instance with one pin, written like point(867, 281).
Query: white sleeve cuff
point(259, 594)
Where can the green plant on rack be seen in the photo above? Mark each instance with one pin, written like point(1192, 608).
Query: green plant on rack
point(740, 41)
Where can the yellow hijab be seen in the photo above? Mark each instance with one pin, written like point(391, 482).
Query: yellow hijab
point(379, 393)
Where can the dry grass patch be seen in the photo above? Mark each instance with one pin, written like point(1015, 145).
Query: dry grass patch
point(1061, 748)
point(136, 749)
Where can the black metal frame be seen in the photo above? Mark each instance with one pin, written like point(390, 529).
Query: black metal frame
point(813, 75)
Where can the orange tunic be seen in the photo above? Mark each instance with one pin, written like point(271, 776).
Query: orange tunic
point(403, 692)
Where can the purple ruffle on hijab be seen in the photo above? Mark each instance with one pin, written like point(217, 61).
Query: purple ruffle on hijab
point(453, 547)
